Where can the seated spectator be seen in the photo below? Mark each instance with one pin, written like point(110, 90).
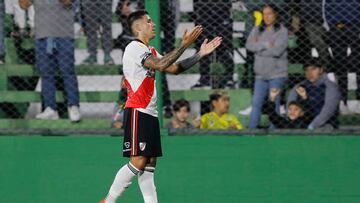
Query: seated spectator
point(322, 96)
point(298, 115)
point(219, 118)
point(181, 110)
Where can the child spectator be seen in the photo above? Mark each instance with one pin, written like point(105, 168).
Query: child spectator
point(322, 94)
point(219, 118)
point(298, 114)
point(181, 110)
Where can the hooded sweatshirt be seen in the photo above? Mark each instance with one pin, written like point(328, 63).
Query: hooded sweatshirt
point(323, 100)
point(270, 62)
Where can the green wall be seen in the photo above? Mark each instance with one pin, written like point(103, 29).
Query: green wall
point(195, 169)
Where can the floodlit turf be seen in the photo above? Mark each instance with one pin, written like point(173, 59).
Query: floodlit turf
point(194, 169)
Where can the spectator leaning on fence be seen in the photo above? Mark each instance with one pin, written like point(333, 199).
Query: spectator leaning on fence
point(54, 47)
point(181, 113)
point(269, 42)
point(322, 94)
point(219, 118)
point(298, 114)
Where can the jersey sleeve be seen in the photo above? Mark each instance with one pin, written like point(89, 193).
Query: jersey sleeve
point(203, 121)
point(139, 53)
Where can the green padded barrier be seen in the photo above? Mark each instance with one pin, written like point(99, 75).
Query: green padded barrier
point(194, 169)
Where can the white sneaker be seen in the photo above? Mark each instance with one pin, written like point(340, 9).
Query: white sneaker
point(48, 114)
point(246, 111)
point(344, 110)
point(74, 113)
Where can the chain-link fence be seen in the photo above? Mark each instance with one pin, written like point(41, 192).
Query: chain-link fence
point(284, 64)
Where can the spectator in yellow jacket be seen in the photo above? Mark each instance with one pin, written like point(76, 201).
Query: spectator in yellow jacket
point(219, 118)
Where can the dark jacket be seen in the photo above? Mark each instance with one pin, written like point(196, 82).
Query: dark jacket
point(284, 122)
point(311, 12)
point(342, 11)
point(324, 98)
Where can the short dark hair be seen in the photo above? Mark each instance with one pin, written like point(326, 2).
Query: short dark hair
point(181, 103)
point(134, 16)
point(217, 94)
point(314, 62)
point(296, 103)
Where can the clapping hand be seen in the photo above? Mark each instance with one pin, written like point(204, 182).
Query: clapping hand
point(208, 47)
point(190, 37)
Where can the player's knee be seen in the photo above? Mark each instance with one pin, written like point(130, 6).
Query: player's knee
point(139, 161)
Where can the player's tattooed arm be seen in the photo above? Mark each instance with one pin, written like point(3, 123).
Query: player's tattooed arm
point(205, 49)
point(165, 62)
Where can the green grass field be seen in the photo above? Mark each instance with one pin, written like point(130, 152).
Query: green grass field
point(194, 169)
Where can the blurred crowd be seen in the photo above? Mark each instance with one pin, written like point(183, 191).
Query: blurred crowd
point(323, 36)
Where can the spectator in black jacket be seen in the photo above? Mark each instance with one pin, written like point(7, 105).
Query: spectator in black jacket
point(298, 114)
point(322, 94)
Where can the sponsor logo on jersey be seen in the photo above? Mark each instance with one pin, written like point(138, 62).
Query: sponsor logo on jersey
point(127, 145)
point(142, 146)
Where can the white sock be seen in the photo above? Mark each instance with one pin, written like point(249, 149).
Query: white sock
point(121, 182)
point(147, 186)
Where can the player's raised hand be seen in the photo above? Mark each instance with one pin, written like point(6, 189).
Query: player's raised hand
point(208, 47)
point(190, 37)
point(274, 93)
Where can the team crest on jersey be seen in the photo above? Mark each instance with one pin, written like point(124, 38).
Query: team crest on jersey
point(142, 146)
point(127, 145)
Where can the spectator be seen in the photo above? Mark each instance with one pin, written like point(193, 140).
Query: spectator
point(123, 10)
point(20, 17)
point(269, 43)
point(298, 114)
point(98, 17)
point(215, 17)
point(2, 32)
point(54, 46)
point(181, 110)
point(322, 96)
point(343, 17)
point(311, 29)
point(219, 118)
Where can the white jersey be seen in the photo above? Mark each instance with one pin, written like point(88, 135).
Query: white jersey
point(139, 80)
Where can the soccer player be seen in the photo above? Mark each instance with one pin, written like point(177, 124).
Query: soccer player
point(141, 126)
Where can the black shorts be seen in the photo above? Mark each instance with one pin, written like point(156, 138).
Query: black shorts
point(141, 134)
